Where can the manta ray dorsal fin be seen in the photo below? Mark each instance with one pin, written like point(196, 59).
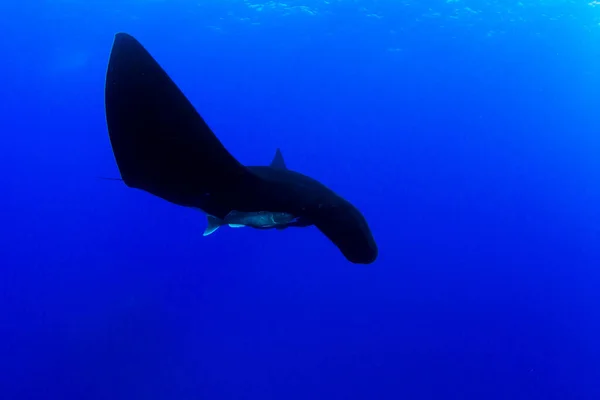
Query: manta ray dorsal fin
point(278, 161)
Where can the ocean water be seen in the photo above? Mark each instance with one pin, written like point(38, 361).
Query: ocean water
point(466, 131)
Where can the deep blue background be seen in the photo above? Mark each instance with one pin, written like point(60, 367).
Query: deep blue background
point(467, 133)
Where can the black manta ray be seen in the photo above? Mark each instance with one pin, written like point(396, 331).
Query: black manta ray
point(163, 146)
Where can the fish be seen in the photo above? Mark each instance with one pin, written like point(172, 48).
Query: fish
point(163, 146)
point(259, 220)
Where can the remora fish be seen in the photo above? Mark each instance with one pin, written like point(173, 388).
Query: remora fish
point(259, 220)
point(164, 147)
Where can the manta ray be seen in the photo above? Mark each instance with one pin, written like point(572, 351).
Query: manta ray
point(163, 146)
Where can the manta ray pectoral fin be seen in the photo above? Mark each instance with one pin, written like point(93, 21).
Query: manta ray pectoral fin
point(346, 227)
point(160, 142)
point(278, 161)
point(236, 226)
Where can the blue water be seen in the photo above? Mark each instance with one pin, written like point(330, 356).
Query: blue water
point(466, 131)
